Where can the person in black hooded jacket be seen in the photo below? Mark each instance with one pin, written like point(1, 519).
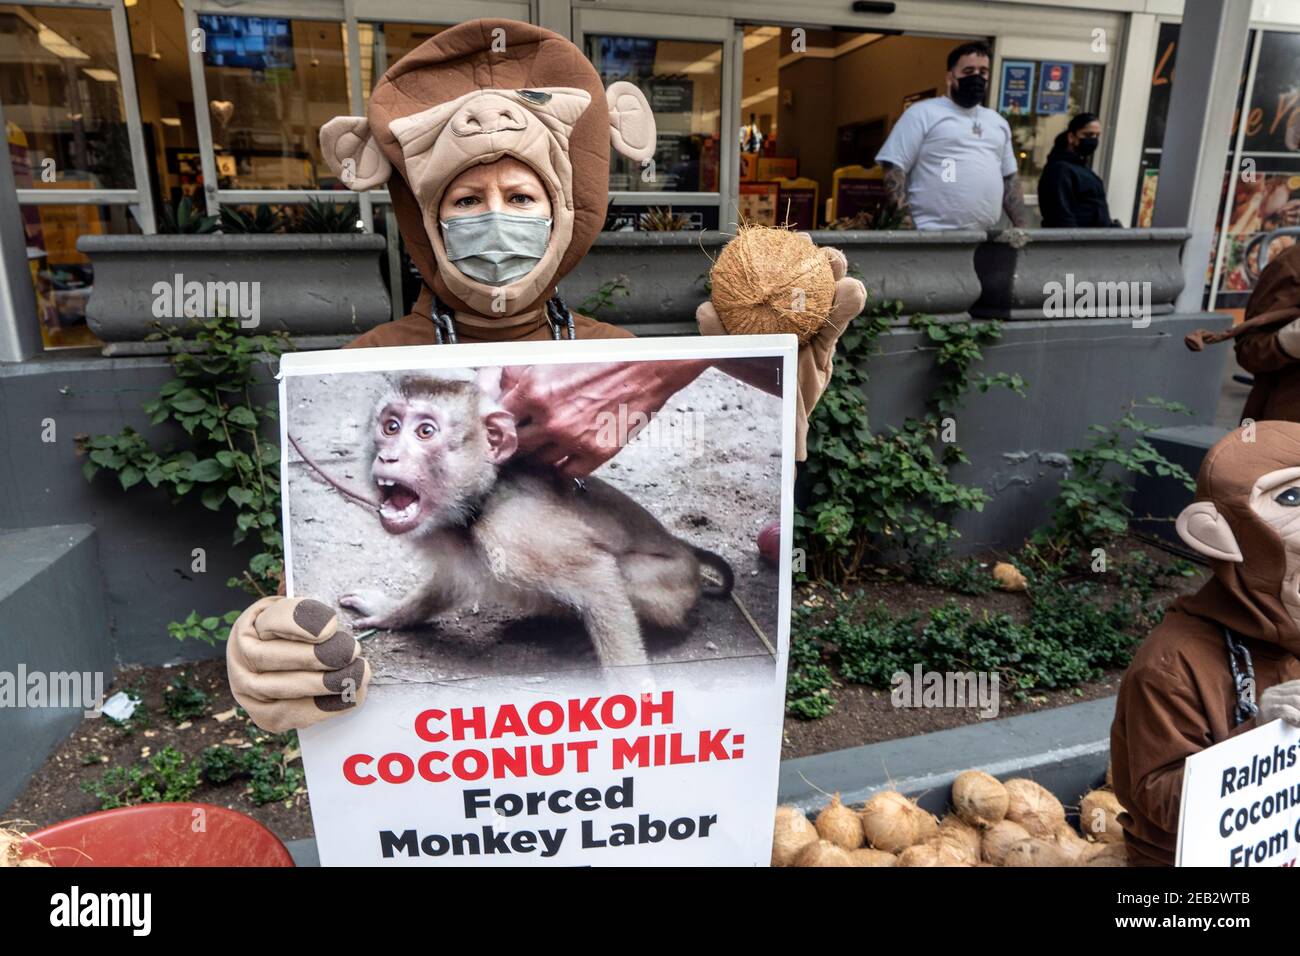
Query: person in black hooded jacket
point(1069, 193)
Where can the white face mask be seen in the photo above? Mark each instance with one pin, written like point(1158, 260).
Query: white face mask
point(494, 247)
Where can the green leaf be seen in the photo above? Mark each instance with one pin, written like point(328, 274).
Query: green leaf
point(241, 415)
point(129, 476)
point(209, 469)
point(189, 401)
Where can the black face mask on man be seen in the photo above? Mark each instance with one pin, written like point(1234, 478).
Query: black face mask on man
point(1086, 146)
point(970, 90)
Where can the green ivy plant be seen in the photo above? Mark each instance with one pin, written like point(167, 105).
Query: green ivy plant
point(1091, 509)
point(605, 296)
point(226, 462)
point(892, 489)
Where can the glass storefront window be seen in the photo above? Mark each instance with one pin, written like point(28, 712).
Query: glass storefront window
point(1058, 91)
point(63, 98)
point(383, 44)
point(272, 83)
point(1266, 194)
point(682, 79)
point(62, 276)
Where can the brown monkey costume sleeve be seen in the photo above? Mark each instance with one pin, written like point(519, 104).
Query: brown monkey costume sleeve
point(1178, 696)
point(1274, 304)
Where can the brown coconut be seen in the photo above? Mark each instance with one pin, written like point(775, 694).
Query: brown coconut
point(840, 825)
point(1035, 853)
point(793, 832)
point(772, 280)
point(869, 857)
point(1071, 844)
point(891, 822)
point(979, 798)
point(936, 852)
point(12, 854)
point(1000, 838)
point(956, 832)
point(822, 853)
point(1099, 812)
point(1034, 808)
point(1106, 854)
point(1009, 577)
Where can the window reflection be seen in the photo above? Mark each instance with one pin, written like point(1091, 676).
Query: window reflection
point(272, 83)
point(682, 79)
point(63, 98)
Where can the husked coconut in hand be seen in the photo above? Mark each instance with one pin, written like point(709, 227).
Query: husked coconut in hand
point(770, 280)
point(1034, 808)
point(793, 832)
point(1099, 812)
point(979, 798)
point(822, 853)
point(840, 825)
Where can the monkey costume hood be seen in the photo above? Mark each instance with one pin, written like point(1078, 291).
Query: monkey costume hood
point(1274, 303)
point(1178, 696)
point(475, 93)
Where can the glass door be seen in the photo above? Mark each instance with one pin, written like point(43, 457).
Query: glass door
point(1038, 85)
point(685, 66)
point(75, 141)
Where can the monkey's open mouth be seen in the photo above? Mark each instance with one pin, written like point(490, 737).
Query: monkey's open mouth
point(399, 503)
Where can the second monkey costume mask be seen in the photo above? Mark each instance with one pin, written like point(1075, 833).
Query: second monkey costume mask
point(473, 94)
point(1227, 658)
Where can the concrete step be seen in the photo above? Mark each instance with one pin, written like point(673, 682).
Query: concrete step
point(53, 635)
point(1157, 500)
point(1064, 749)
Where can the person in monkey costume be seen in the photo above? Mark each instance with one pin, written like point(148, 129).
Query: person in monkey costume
point(493, 138)
point(1268, 341)
point(1226, 659)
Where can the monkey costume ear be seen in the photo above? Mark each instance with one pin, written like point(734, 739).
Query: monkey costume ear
point(631, 124)
point(1206, 532)
point(352, 153)
point(503, 442)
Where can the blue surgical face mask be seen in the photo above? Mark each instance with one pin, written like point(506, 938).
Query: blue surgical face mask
point(494, 247)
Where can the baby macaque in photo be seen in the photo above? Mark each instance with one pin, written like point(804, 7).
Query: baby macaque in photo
point(498, 530)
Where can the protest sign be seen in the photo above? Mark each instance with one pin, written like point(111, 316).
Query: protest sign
point(564, 673)
point(1241, 801)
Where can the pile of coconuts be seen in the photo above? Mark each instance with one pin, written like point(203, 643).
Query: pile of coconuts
point(991, 823)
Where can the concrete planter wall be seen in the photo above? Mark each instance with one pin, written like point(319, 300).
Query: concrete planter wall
point(304, 284)
point(666, 273)
point(1018, 267)
point(931, 272)
point(1078, 373)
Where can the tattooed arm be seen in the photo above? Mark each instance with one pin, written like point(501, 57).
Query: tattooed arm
point(896, 194)
point(1013, 201)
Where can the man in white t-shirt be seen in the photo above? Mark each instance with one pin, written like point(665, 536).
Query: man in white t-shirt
point(948, 161)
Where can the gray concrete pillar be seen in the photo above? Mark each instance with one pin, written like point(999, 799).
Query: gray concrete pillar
point(1207, 72)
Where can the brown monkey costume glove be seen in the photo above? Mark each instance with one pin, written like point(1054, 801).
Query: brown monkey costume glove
point(290, 667)
point(816, 355)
